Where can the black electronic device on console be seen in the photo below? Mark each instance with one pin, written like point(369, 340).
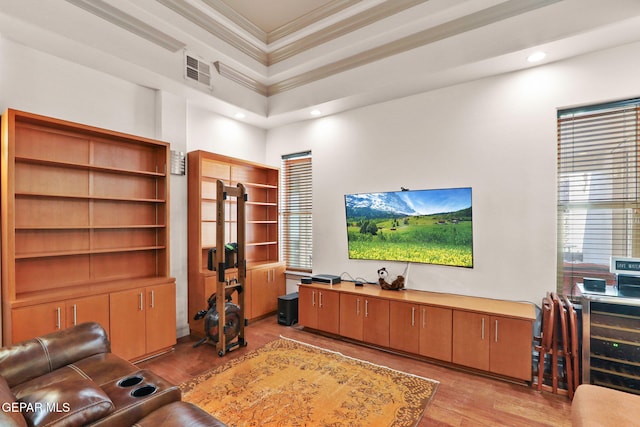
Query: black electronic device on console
point(629, 286)
point(326, 278)
point(594, 285)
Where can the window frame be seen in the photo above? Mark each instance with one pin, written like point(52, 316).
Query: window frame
point(296, 211)
point(598, 199)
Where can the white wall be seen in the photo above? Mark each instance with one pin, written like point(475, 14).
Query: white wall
point(44, 84)
point(171, 113)
point(496, 135)
point(218, 134)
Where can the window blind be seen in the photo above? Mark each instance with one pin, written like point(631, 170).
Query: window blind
point(597, 190)
point(296, 221)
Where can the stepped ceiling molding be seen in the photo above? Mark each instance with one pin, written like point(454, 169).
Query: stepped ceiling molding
point(275, 60)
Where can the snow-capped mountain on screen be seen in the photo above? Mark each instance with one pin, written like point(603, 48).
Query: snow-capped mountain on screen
point(375, 205)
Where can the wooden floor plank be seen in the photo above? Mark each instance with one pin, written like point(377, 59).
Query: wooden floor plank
point(462, 399)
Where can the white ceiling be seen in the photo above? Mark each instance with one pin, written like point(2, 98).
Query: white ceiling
point(276, 60)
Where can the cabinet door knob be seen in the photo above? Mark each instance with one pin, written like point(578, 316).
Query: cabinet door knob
point(140, 303)
point(75, 314)
point(496, 337)
point(153, 298)
point(483, 328)
point(413, 316)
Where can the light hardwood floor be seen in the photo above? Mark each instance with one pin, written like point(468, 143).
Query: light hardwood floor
point(462, 398)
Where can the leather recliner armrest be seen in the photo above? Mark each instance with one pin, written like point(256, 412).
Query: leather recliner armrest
point(33, 358)
point(74, 402)
point(10, 415)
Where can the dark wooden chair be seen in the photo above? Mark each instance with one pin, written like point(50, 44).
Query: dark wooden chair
point(573, 347)
point(561, 347)
point(545, 340)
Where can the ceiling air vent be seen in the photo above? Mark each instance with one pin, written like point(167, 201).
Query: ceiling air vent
point(197, 70)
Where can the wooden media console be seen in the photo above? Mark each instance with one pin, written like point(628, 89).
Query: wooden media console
point(484, 334)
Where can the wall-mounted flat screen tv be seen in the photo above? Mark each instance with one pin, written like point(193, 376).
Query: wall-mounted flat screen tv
point(423, 226)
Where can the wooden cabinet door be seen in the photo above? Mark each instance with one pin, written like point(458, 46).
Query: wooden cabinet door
point(270, 296)
point(127, 314)
point(267, 284)
point(511, 347)
point(160, 317)
point(88, 309)
point(352, 316)
point(436, 325)
point(41, 319)
point(364, 319)
point(33, 321)
point(328, 311)
point(404, 324)
point(260, 291)
point(376, 321)
point(279, 282)
point(307, 307)
point(471, 339)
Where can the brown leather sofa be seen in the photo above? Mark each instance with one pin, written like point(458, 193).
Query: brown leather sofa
point(71, 378)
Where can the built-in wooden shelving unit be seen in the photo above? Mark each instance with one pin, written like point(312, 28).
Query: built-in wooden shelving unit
point(85, 214)
point(265, 274)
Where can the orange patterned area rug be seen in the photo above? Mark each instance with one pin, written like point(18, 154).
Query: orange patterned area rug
point(289, 383)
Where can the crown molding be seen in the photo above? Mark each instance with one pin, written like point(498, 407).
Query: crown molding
point(348, 25)
point(230, 13)
point(288, 29)
point(449, 29)
point(240, 78)
point(218, 30)
point(117, 17)
point(356, 22)
point(454, 27)
point(310, 18)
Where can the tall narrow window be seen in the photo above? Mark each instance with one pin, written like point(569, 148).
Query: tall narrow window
point(296, 223)
point(598, 190)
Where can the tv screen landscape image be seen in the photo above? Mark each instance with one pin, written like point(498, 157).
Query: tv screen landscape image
point(423, 226)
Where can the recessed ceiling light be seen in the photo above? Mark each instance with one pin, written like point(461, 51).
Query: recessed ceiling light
point(239, 115)
point(536, 57)
point(315, 113)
